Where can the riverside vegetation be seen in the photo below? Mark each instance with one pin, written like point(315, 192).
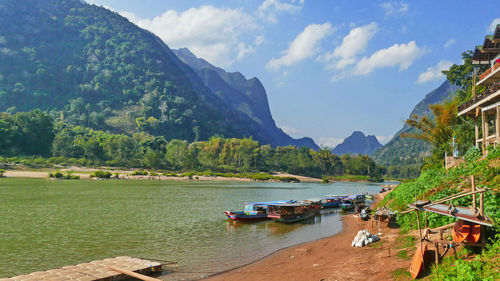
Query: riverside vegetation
point(34, 139)
point(435, 182)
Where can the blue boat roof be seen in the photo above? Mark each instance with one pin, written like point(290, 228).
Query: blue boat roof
point(335, 196)
point(271, 202)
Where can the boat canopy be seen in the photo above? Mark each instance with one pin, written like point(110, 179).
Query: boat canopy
point(270, 202)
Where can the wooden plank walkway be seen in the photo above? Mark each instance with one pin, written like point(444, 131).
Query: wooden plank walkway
point(93, 271)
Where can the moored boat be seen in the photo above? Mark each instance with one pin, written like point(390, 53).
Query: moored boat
point(315, 203)
point(331, 201)
point(290, 213)
point(359, 198)
point(253, 211)
point(347, 204)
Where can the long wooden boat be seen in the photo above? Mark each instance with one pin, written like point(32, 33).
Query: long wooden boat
point(331, 201)
point(348, 203)
point(290, 213)
point(315, 203)
point(417, 263)
point(253, 211)
point(359, 198)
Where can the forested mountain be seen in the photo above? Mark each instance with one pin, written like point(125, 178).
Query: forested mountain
point(357, 143)
point(409, 151)
point(245, 95)
point(89, 66)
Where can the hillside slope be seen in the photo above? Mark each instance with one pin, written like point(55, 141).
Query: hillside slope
point(248, 96)
point(90, 66)
point(406, 151)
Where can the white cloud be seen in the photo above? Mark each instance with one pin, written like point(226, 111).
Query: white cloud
point(395, 8)
point(259, 40)
point(450, 42)
point(330, 142)
point(209, 32)
point(493, 25)
point(305, 45)
point(269, 8)
point(383, 139)
point(290, 130)
point(403, 55)
point(244, 50)
point(353, 43)
point(433, 73)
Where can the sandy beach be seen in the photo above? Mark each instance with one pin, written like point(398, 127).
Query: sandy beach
point(84, 173)
point(330, 258)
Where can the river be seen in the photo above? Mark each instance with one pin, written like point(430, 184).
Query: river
point(48, 224)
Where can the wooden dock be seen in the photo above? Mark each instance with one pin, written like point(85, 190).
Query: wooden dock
point(99, 270)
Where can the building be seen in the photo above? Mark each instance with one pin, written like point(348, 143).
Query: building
point(484, 107)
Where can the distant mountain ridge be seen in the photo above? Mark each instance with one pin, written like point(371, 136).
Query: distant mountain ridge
point(91, 67)
point(405, 151)
point(357, 143)
point(247, 96)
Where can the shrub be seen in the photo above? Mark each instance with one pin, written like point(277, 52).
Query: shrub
point(139, 173)
point(56, 175)
point(289, 179)
point(2, 172)
point(101, 175)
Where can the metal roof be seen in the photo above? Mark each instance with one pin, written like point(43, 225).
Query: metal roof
point(463, 213)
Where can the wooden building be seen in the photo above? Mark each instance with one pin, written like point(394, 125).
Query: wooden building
point(484, 107)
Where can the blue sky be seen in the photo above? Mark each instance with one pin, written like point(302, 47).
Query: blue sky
point(329, 67)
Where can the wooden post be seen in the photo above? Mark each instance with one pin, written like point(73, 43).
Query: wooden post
point(426, 221)
point(473, 184)
point(481, 203)
point(483, 127)
point(420, 234)
point(436, 254)
point(476, 131)
point(483, 237)
point(498, 123)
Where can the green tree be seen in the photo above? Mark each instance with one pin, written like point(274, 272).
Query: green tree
point(37, 129)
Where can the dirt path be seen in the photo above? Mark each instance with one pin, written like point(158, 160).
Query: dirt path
point(331, 258)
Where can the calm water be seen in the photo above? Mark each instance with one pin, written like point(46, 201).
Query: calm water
point(48, 224)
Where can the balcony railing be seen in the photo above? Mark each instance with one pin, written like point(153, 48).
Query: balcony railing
point(490, 90)
point(490, 70)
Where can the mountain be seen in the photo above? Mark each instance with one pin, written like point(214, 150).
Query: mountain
point(357, 143)
point(247, 96)
point(406, 151)
point(90, 66)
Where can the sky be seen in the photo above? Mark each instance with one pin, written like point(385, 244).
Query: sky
point(329, 67)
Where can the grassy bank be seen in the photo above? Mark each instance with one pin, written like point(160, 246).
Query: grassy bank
point(438, 183)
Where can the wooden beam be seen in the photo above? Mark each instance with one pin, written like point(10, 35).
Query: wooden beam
point(133, 274)
point(498, 122)
point(473, 184)
point(436, 254)
point(443, 227)
point(483, 127)
point(476, 132)
point(481, 204)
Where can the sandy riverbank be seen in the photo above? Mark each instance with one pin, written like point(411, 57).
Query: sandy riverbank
point(330, 258)
point(84, 173)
